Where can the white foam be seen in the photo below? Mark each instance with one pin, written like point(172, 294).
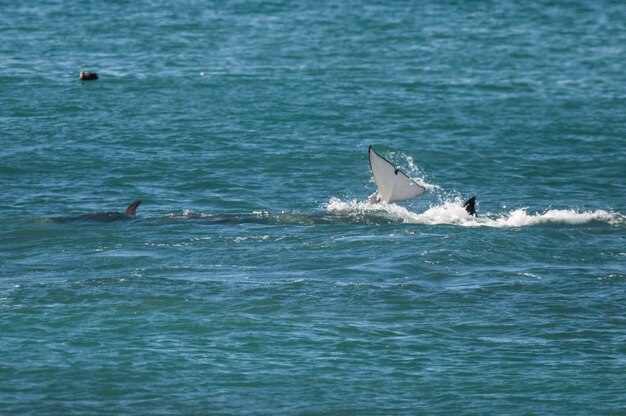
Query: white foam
point(453, 213)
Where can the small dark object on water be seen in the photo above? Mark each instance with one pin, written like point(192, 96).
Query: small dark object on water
point(87, 76)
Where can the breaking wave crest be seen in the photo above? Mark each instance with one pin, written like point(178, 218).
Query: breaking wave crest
point(453, 213)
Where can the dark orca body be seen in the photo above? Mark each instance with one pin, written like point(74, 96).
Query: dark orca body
point(102, 217)
point(470, 206)
point(128, 214)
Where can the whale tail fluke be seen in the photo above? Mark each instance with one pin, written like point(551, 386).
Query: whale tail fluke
point(132, 208)
point(392, 184)
point(470, 206)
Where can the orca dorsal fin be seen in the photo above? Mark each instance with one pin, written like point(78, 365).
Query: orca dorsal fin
point(392, 183)
point(130, 210)
point(470, 206)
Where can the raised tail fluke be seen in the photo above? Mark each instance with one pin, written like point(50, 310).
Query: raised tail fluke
point(470, 206)
point(132, 208)
point(392, 183)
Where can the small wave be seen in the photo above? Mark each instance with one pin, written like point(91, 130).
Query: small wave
point(520, 218)
point(453, 213)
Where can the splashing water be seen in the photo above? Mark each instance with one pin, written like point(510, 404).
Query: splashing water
point(453, 213)
point(450, 208)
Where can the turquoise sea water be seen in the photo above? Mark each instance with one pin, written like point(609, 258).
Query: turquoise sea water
point(255, 279)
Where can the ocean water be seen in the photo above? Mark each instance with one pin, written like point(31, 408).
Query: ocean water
point(255, 278)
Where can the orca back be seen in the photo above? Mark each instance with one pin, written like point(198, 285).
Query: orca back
point(132, 208)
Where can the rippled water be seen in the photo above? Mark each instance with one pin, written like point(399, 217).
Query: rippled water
point(256, 279)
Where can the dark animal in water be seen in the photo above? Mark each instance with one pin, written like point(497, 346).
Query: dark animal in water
point(128, 213)
point(87, 76)
point(470, 206)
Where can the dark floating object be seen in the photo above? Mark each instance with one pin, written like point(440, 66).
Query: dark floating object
point(87, 76)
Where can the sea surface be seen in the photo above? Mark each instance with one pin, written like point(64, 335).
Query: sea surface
point(256, 279)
